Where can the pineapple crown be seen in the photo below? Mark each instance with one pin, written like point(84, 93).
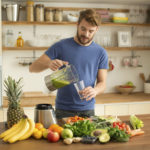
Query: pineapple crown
point(13, 89)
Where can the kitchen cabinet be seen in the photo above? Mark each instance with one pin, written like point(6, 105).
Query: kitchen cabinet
point(141, 108)
point(99, 109)
point(117, 109)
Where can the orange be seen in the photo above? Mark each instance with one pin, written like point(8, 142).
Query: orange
point(58, 130)
point(39, 126)
point(53, 127)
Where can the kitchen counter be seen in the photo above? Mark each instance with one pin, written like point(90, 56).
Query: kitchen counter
point(141, 142)
point(30, 99)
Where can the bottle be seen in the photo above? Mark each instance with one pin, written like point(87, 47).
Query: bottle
point(20, 41)
point(9, 39)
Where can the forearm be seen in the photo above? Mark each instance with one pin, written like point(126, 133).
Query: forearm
point(100, 87)
point(38, 67)
point(40, 64)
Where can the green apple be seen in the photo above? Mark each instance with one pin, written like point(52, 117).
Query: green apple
point(129, 83)
point(45, 133)
point(66, 133)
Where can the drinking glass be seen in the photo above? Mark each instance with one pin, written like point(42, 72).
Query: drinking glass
point(79, 86)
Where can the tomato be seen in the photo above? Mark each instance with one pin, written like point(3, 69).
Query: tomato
point(114, 124)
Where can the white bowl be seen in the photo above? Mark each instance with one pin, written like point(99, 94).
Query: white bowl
point(119, 14)
point(72, 18)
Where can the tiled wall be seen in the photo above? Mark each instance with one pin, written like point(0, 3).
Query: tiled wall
point(35, 82)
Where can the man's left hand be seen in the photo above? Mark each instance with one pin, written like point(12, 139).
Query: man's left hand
point(88, 93)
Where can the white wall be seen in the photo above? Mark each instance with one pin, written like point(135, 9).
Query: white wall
point(35, 82)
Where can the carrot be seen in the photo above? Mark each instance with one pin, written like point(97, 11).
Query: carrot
point(136, 132)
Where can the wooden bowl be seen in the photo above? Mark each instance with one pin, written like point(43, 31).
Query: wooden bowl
point(125, 89)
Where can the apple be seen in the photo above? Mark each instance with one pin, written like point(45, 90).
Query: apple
point(45, 133)
point(53, 136)
point(130, 84)
point(66, 133)
point(111, 66)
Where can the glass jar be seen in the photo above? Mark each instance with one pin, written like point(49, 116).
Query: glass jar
point(39, 12)
point(30, 11)
point(49, 14)
point(58, 16)
point(20, 41)
point(9, 42)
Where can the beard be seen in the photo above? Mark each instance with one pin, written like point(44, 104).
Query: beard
point(83, 39)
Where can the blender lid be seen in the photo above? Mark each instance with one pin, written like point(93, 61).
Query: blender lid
point(43, 106)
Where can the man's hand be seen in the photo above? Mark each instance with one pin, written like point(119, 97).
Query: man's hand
point(56, 63)
point(88, 93)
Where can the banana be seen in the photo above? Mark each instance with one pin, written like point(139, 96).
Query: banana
point(14, 132)
point(29, 131)
point(20, 133)
point(10, 130)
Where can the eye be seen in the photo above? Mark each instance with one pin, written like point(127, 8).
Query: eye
point(91, 31)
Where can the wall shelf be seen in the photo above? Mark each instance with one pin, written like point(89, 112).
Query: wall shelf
point(107, 48)
point(69, 23)
point(23, 48)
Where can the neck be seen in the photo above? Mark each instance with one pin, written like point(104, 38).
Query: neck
point(76, 40)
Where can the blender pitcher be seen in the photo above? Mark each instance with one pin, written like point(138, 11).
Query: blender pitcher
point(61, 78)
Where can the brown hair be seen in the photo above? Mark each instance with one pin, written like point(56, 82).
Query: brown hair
point(91, 16)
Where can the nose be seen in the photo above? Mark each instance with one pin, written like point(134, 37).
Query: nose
point(86, 34)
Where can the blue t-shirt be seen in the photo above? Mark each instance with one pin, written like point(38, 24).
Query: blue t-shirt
point(87, 60)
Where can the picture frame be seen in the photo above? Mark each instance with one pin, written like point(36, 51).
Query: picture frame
point(124, 39)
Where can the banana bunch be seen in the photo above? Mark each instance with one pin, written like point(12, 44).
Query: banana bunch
point(20, 131)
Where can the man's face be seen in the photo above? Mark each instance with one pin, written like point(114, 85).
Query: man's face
point(85, 32)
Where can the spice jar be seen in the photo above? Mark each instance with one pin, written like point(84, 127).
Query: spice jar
point(30, 11)
point(58, 16)
point(49, 14)
point(39, 12)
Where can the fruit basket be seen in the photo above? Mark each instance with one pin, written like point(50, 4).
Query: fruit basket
point(124, 89)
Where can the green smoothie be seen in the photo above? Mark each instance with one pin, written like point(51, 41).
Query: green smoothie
point(59, 83)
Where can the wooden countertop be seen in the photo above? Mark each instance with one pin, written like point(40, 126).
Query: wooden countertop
point(141, 142)
point(30, 99)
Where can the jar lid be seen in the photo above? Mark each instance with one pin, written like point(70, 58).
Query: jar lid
point(30, 3)
point(39, 5)
point(43, 106)
point(48, 9)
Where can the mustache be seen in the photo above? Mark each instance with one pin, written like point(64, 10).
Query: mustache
point(83, 36)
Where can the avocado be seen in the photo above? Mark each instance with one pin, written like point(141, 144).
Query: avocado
point(104, 138)
point(98, 132)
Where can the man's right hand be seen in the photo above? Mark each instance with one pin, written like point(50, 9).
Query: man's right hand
point(56, 63)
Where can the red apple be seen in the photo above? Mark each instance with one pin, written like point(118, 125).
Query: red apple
point(53, 136)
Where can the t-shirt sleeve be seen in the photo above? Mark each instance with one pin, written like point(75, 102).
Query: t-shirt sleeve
point(103, 61)
point(53, 51)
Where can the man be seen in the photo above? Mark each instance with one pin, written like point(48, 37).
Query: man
point(89, 59)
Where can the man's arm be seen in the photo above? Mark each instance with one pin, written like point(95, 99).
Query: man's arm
point(101, 81)
point(90, 92)
point(44, 62)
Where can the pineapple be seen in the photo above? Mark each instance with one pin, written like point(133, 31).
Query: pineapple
point(13, 91)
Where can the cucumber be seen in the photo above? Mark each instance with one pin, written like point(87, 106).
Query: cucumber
point(104, 138)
